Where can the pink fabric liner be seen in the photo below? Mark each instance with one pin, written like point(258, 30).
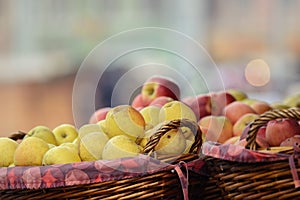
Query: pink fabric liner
point(239, 154)
point(35, 177)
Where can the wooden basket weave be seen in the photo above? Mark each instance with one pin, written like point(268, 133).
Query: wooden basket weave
point(160, 185)
point(258, 180)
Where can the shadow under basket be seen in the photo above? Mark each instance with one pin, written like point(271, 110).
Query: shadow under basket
point(180, 178)
point(254, 172)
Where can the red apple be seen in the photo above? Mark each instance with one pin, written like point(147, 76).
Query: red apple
point(219, 100)
point(261, 132)
point(236, 110)
point(278, 130)
point(201, 105)
point(138, 102)
point(262, 142)
point(160, 101)
point(260, 136)
point(157, 86)
point(99, 115)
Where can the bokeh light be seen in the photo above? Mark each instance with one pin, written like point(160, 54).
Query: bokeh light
point(257, 73)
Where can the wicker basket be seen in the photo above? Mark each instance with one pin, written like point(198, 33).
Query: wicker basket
point(164, 184)
point(274, 177)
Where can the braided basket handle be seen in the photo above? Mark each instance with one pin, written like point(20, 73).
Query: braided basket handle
point(264, 118)
point(17, 135)
point(175, 124)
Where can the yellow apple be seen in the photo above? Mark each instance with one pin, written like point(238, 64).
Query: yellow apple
point(65, 133)
point(150, 114)
point(102, 126)
point(189, 144)
point(176, 110)
point(292, 100)
point(51, 146)
point(60, 155)
point(91, 146)
point(171, 143)
point(30, 152)
point(242, 122)
point(232, 140)
point(249, 101)
point(120, 146)
point(279, 105)
point(7, 151)
point(73, 146)
point(43, 133)
point(148, 133)
point(124, 120)
point(237, 94)
point(88, 128)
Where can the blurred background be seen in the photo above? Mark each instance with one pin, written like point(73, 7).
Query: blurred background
point(43, 43)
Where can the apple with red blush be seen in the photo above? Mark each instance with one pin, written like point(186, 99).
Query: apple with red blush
point(261, 107)
point(99, 115)
point(138, 102)
point(160, 101)
point(278, 130)
point(235, 110)
point(219, 100)
point(157, 86)
point(200, 104)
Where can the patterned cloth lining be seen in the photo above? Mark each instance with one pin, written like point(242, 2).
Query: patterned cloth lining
point(36, 177)
point(239, 154)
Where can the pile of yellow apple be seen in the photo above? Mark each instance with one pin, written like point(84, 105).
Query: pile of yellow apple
point(124, 130)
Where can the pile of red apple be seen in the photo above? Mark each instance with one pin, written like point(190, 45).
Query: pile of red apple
point(223, 116)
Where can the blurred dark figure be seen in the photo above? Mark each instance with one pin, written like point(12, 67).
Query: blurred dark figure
point(106, 86)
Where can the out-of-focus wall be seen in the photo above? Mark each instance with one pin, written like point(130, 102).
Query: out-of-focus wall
point(43, 42)
point(25, 105)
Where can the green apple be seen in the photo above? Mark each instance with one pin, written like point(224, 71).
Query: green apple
point(30, 152)
point(7, 151)
point(60, 155)
point(91, 146)
point(65, 133)
point(42, 132)
point(119, 147)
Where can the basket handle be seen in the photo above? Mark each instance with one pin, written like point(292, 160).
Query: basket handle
point(176, 124)
point(264, 118)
